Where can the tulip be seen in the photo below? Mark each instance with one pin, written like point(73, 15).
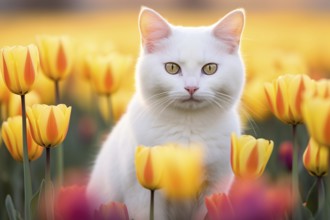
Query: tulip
point(285, 97)
point(183, 174)
point(316, 113)
point(72, 203)
point(12, 137)
point(107, 72)
point(316, 159)
point(55, 56)
point(219, 207)
point(49, 124)
point(149, 165)
point(112, 210)
point(19, 67)
point(249, 156)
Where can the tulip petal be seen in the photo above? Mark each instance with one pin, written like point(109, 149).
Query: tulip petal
point(61, 59)
point(29, 74)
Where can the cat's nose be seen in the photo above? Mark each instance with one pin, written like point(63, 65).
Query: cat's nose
point(191, 89)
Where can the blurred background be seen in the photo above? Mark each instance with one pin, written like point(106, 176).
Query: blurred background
point(280, 37)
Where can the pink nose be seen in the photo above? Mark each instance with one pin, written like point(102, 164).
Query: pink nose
point(191, 89)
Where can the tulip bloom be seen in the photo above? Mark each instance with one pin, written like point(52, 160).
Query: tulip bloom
point(112, 210)
point(55, 56)
point(19, 67)
point(249, 156)
point(285, 97)
point(12, 137)
point(183, 174)
point(315, 159)
point(49, 124)
point(219, 207)
point(316, 113)
point(149, 166)
point(107, 71)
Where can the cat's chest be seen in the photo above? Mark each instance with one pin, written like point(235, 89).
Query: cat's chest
point(183, 130)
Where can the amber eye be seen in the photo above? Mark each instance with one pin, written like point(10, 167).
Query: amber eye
point(210, 68)
point(172, 68)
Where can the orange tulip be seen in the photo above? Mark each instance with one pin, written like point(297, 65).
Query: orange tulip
point(316, 159)
point(12, 137)
point(49, 124)
point(19, 67)
point(285, 97)
point(55, 56)
point(249, 156)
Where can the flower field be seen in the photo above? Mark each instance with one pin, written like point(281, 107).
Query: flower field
point(81, 90)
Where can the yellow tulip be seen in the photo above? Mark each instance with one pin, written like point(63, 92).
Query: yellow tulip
point(249, 156)
point(19, 66)
point(12, 137)
point(149, 165)
point(316, 159)
point(56, 56)
point(49, 124)
point(183, 174)
point(285, 97)
point(107, 72)
point(15, 106)
point(316, 113)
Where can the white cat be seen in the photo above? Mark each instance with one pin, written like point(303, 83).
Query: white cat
point(189, 83)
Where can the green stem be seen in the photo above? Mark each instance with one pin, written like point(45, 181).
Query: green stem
point(321, 198)
point(152, 197)
point(327, 211)
point(111, 117)
point(26, 165)
point(295, 177)
point(48, 191)
point(59, 149)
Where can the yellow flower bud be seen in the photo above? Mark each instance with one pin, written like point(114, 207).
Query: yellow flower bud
point(316, 113)
point(249, 156)
point(13, 138)
point(316, 159)
point(49, 124)
point(56, 56)
point(19, 66)
point(285, 97)
point(149, 165)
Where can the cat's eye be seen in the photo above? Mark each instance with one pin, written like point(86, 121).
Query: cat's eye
point(210, 68)
point(172, 68)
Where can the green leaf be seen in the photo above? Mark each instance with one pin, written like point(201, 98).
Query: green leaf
point(311, 199)
point(12, 213)
point(35, 200)
point(306, 213)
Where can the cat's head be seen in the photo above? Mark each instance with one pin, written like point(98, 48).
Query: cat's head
point(190, 67)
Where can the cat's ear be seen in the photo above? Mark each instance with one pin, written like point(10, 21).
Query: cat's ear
point(229, 28)
point(153, 27)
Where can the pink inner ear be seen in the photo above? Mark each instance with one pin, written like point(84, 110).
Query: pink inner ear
point(229, 29)
point(153, 28)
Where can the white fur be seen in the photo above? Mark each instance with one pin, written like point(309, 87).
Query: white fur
point(158, 115)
